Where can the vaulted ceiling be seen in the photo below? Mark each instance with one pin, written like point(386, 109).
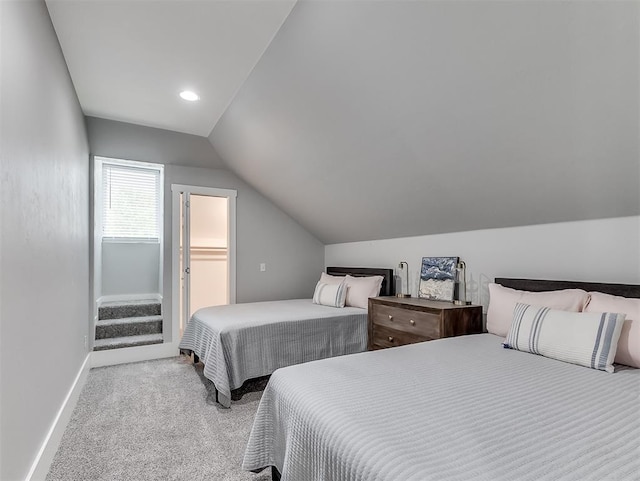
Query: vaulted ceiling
point(377, 119)
point(129, 59)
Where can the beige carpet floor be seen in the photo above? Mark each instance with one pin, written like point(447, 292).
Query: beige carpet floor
point(155, 420)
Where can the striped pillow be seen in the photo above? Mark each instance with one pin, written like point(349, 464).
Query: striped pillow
point(586, 339)
point(333, 295)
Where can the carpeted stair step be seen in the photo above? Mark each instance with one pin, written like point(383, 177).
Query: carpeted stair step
point(120, 310)
point(127, 341)
point(129, 326)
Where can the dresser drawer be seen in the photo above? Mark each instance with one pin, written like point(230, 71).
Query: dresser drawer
point(419, 323)
point(384, 337)
point(396, 321)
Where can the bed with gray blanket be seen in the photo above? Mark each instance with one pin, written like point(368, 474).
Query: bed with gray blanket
point(453, 409)
point(238, 342)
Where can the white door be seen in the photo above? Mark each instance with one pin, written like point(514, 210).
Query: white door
point(205, 264)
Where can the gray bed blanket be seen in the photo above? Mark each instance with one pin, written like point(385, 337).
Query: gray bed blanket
point(453, 409)
point(244, 341)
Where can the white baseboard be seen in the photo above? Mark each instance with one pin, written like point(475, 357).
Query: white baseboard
point(111, 357)
point(42, 462)
point(129, 297)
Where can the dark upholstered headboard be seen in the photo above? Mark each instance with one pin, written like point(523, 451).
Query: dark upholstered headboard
point(388, 287)
point(539, 285)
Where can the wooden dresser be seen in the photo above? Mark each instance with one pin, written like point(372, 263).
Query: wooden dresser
point(395, 321)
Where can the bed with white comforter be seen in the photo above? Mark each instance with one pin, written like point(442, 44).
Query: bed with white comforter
point(238, 342)
point(453, 409)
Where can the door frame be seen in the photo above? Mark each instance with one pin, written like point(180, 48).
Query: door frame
point(176, 190)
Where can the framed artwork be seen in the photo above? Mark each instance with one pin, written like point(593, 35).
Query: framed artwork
point(437, 278)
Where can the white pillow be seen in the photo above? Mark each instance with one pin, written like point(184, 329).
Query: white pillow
point(583, 338)
point(360, 289)
point(502, 301)
point(329, 279)
point(332, 295)
point(629, 344)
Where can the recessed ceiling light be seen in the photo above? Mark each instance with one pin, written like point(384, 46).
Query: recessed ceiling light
point(189, 95)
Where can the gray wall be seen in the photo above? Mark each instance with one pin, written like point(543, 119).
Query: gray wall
point(45, 233)
point(136, 142)
point(372, 119)
point(293, 256)
point(130, 268)
point(264, 233)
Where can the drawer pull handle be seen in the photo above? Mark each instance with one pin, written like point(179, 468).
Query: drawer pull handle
point(390, 339)
point(390, 317)
point(412, 322)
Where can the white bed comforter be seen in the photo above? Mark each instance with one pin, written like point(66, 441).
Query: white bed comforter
point(454, 409)
point(244, 341)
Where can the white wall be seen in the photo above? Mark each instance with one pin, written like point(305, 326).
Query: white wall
point(605, 250)
point(44, 237)
point(208, 221)
point(208, 278)
point(209, 255)
point(130, 268)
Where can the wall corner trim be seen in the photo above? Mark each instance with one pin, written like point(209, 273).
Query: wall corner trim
point(49, 447)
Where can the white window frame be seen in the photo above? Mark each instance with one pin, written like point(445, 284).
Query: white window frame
point(99, 166)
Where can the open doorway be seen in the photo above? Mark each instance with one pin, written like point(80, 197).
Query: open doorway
point(128, 242)
point(204, 254)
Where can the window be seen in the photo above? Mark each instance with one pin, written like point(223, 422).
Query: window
point(131, 196)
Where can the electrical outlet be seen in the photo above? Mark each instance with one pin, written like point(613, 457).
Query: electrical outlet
point(86, 342)
point(263, 267)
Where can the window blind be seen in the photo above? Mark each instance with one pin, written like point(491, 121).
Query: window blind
point(131, 202)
